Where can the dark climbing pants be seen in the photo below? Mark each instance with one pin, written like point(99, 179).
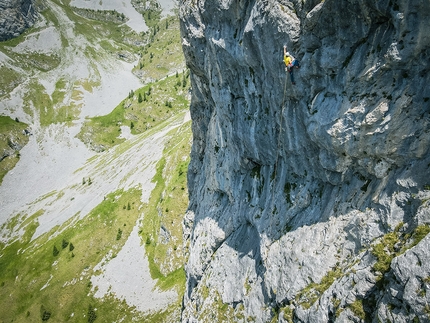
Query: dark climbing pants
point(294, 64)
point(292, 75)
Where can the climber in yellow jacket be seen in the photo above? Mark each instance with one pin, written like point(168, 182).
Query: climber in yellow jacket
point(290, 64)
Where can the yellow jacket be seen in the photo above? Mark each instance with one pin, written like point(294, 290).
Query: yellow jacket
point(287, 60)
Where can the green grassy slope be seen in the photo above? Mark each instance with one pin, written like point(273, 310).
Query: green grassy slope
point(141, 111)
point(165, 211)
point(12, 139)
point(163, 53)
point(51, 274)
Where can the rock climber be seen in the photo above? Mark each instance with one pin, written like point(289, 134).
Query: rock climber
point(290, 63)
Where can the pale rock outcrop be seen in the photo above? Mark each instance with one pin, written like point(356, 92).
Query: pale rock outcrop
point(308, 202)
point(15, 17)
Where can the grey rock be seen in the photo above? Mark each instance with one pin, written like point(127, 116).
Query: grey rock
point(15, 17)
point(292, 186)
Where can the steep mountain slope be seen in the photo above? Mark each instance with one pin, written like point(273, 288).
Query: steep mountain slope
point(308, 202)
point(88, 236)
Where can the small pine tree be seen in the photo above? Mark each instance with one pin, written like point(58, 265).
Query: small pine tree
point(128, 206)
point(184, 80)
point(131, 125)
point(89, 181)
point(71, 246)
point(44, 313)
point(140, 98)
point(83, 181)
point(119, 234)
point(91, 314)
point(64, 244)
point(55, 251)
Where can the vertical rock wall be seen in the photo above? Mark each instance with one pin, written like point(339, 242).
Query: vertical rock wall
point(293, 188)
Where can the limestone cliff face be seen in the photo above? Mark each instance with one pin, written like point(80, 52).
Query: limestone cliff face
point(308, 202)
point(15, 17)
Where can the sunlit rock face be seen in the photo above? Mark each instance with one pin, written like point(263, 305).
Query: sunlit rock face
point(308, 202)
point(15, 17)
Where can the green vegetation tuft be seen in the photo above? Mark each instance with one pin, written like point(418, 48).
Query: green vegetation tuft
point(151, 14)
point(288, 314)
point(419, 233)
point(358, 309)
point(394, 244)
point(309, 295)
point(384, 252)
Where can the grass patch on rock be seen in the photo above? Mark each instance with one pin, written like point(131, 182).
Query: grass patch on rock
point(309, 295)
point(358, 309)
point(394, 244)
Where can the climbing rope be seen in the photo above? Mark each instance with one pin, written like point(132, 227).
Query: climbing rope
point(277, 155)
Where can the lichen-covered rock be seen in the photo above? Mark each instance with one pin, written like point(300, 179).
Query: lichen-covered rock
point(306, 198)
point(15, 17)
